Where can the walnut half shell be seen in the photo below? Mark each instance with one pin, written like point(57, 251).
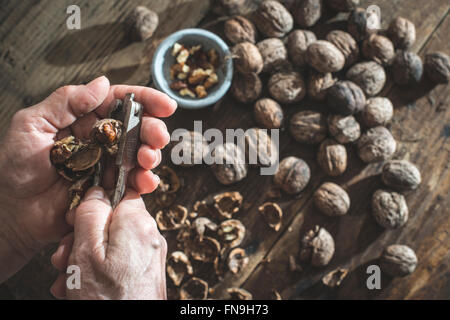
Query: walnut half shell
point(273, 214)
point(239, 294)
point(207, 250)
point(237, 260)
point(85, 158)
point(231, 232)
point(194, 289)
point(172, 218)
point(178, 266)
point(227, 204)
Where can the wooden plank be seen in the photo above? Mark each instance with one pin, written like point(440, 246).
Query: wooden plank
point(421, 127)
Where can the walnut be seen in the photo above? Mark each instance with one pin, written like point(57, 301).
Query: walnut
point(239, 29)
point(298, 43)
point(343, 5)
point(318, 84)
point(272, 214)
point(437, 67)
point(407, 68)
point(287, 87)
point(260, 148)
point(379, 49)
point(346, 98)
point(402, 32)
point(233, 168)
point(191, 150)
point(231, 233)
point(274, 54)
point(332, 200)
point(398, 260)
point(389, 209)
point(377, 112)
point(178, 266)
point(344, 129)
point(172, 218)
point(205, 250)
point(268, 114)
point(332, 157)
point(246, 88)
point(308, 127)
point(85, 158)
point(107, 132)
point(63, 149)
point(203, 226)
point(377, 144)
point(249, 59)
point(325, 57)
point(359, 23)
point(307, 12)
point(228, 203)
point(237, 260)
point(317, 247)
point(273, 20)
point(370, 76)
point(401, 175)
point(346, 44)
point(293, 175)
point(239, 294)
point(169, 181)
point(335, 277)
point(194, 289)
point(143, 22)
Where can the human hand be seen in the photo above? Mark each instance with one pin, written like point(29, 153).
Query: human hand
point(33, 197)
point(121, 254)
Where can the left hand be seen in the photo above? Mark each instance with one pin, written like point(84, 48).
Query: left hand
point(33, 197)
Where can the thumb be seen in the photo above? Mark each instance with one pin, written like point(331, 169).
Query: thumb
point(68, 103)
point(92, 219)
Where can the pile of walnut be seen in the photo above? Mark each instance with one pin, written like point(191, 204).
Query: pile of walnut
point(194, 70)
point(79, 161)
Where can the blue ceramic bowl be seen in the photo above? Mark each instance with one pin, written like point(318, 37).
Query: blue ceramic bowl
point(163, 60)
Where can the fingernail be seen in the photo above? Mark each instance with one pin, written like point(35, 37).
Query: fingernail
point(96, 80)
point(173, 103)
point(158, 179)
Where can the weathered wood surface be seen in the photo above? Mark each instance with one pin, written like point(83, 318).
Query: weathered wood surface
point(421, 125)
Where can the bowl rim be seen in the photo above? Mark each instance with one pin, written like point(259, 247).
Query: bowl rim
point(161, 83)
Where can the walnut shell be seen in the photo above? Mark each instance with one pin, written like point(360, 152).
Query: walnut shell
point(205, 250)
point(369, 76)
point(143, 23)
point(268, 114)
point(325, 57)
point(272, 214)
point(85, 158)
point(287, 87)
point(346, 44)
point(343, 5)
point(344, 129)
point(178, 266)
point(227, 204)
point(239, 294)
point(402, 32)
point(401, 175)
point(172, 218)
point(194, 289)
point(293, 175)
point(360, 23)
point(318, 84)
point(63, 149)
point(78, 190)
point(335, 277)
point(407, 68)
point(203, 226)
point(332, 157)
point(377, 144)
point(237, 260)
point(107, 132)
point(398, 260)
point(379, 49)
point(249, 59)
point(246, 88)
point(332, 200)
point(437, 67)
point(233, 168)
point(191, 150)
point(273, 20)
point(298, 43)
point(239, 29)
point(378, 112)
point(307, 12)
point(274, 54)
point(169, 181)
point(308, 127)
point(389, 209)
point(260, 149)
point(317, 247)
point(346, 98)
point(231, 232)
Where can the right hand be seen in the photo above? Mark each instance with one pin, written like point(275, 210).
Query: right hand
point(121, 254)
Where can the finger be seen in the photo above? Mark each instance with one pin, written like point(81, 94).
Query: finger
point(69, 103)
point(58, 289)
point(143, 181)
point(154, 132)
point(148, 158)
point(61, 256)
point(92, 220)
point(82, 127)
point(155, 103)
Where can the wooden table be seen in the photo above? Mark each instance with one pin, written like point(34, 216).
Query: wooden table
point(39, 54)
